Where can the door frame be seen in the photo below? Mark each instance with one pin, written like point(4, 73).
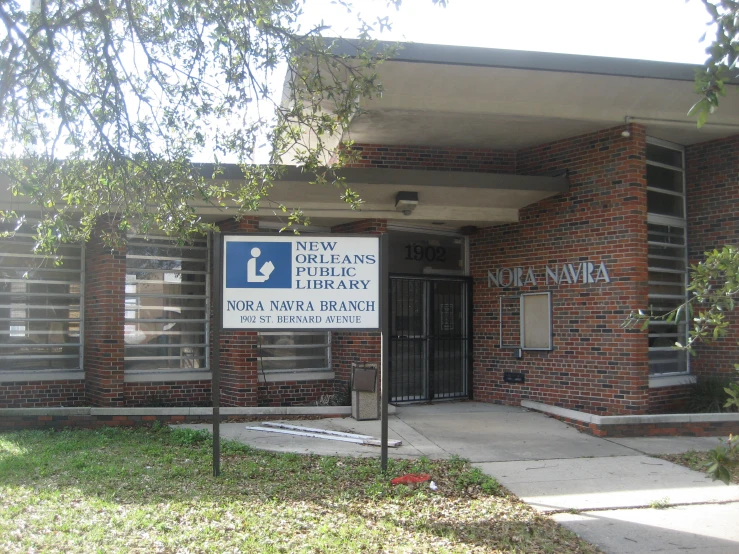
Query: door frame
point(467, 338)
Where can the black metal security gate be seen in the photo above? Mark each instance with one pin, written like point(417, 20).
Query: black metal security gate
point(430, 329)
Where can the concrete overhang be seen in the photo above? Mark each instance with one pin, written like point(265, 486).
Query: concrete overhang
point(456, 199)
point(453, 96)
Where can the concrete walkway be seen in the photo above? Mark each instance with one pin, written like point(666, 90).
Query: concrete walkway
point(600, 488)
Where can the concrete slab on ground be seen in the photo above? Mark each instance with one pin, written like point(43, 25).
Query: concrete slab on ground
point(274, 442)
point(492, 433)
point(415, 445)
point(614, 482)
point(705, 529)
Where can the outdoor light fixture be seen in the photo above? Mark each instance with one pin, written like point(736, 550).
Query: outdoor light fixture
point(406, 202)
point(626, 133)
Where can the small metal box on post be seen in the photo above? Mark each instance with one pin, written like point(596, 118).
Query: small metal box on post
point(365, 391)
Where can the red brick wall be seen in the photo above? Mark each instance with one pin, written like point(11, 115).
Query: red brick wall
point(168, 393)
point(355, 346)
point(238, 348)
point(294, 393)
point(596, 366)
point(105, 278)
point(444, 159)
point(669, 400)
point(349, 347)
point(43, 394)
point(712, 176)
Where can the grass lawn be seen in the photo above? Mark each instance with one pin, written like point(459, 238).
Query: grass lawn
point(152, 490)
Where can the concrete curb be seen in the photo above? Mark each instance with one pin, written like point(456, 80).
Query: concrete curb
point(239, 411)
point(602, 421)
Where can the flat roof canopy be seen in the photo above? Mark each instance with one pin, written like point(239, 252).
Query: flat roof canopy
point(467, 97)
point(456, 199)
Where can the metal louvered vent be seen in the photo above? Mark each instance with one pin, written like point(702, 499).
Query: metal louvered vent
point(668, 259)
point(166, 304)
point(40, 303)
point(294, 351)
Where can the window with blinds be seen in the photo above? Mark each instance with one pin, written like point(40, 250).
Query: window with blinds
point(294, 351)
point(40, 302)
point(668, 260)
point(166, 304)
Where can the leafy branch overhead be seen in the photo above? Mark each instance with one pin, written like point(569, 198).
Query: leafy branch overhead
point(721, 65)
point(105, 103)
point(714, 291)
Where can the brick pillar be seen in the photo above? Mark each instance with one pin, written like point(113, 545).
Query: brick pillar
point(105, 281)
point(355, 346)
point(239, 348)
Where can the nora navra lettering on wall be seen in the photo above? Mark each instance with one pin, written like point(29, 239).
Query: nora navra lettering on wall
point(565, 274)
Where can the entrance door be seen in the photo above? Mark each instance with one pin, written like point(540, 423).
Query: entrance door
point(430, 338)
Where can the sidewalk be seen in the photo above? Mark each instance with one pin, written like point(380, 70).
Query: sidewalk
point(599, 488)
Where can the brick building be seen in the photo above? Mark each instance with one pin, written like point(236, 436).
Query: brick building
point(550, 195)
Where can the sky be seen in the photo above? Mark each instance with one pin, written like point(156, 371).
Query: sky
point(661, 30)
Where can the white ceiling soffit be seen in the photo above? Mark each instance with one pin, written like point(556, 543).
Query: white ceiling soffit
point(455, 198)
point(450, 96)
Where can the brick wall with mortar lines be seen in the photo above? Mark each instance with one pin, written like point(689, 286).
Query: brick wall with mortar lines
point(238, 348)
point(168, 394)
point(712, 178)
point(349, 347)
point(43, 394)
point(669, 400)
point(596, 366)
point(105, 277)
point(381, 156)
point(294, 393)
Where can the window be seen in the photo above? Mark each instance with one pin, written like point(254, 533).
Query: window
point(166, 304)
point(526, 321)
point(40, 323)
point(294, 351)
point(668, 262)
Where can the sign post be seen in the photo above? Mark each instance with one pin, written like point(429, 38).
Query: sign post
point(385, 345)
point(217, 246)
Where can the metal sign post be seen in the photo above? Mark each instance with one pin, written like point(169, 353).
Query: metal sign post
point(217, 245)
point(385, 345)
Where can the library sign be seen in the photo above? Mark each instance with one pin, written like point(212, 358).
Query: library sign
point(565, 274)
point(301, 282)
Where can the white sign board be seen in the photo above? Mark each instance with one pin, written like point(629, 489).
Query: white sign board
point(301, 282)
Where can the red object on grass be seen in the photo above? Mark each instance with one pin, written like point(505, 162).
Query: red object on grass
point(411, 478)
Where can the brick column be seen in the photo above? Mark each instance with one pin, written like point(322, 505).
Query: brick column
point(355, 346)
point(105, 281)
point(712, 169)
point(239, 348)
